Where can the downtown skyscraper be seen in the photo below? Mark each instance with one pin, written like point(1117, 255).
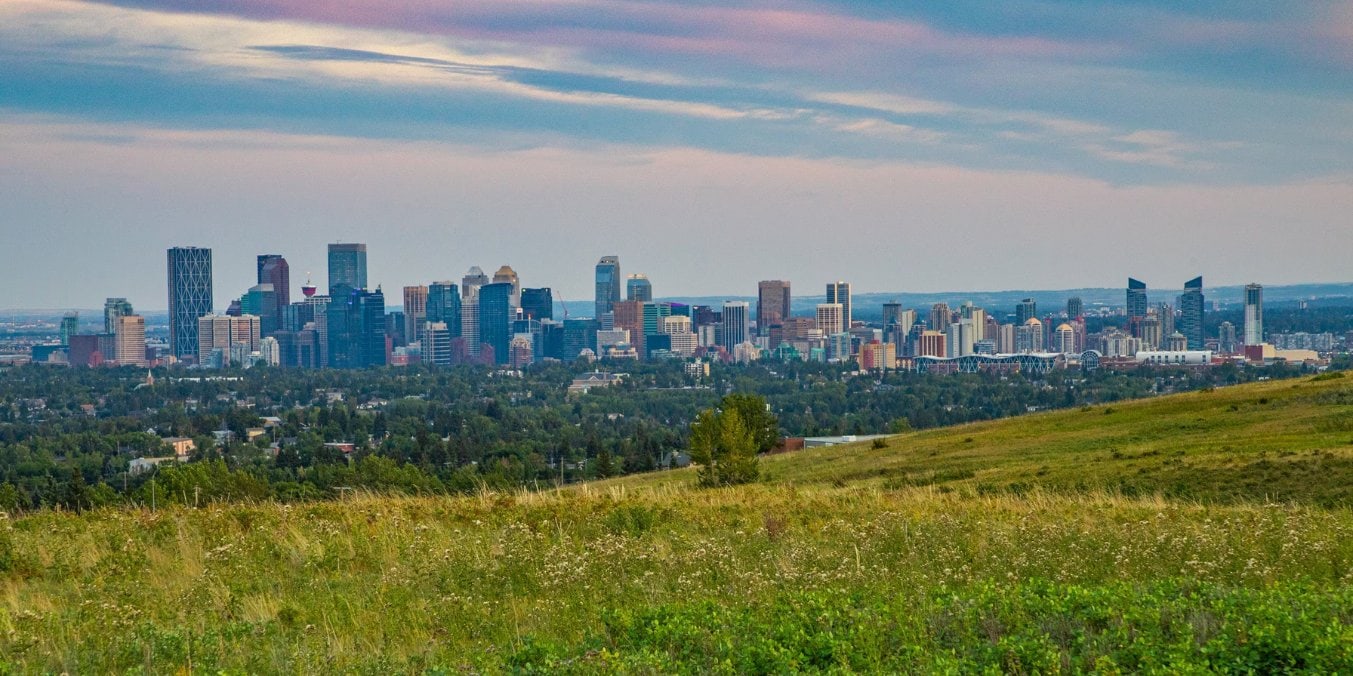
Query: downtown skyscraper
point(737, 323)
point(273, 269)
point(772, 304)
point(495, 318)
point(190, 297)
point(347, 266)
point(637, 287)
point(839, 292)
point(1254, 314)
point(537, 304)
point(1136, 306)
point(1191, 313)
point(113, 308)
point(608, 286)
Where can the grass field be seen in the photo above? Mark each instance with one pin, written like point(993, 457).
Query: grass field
point(1270, 442)
point(1064, 542)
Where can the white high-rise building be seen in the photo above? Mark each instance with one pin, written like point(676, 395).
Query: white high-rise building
point(683, 343)
point(737, 323)
point(959, 338)
point(469, 324)
point(436, 344)
point(674, 324)
point(1029, 336)
point(831, 318)
point(1254, 314)
point(271, 351)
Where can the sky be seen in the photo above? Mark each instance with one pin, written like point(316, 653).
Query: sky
point(900, 146)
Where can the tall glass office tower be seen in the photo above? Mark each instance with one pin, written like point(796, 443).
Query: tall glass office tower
point(608, 285)
point(1191, 313)
point(347, 266)
point(189, 297)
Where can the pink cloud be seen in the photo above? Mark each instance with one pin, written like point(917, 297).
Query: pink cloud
point(783, 35)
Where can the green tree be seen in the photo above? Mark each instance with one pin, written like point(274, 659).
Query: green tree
point(899, 425)
point(724, 447)
point(11, 500)
point(605, 464)
point(75, 495)
point(763, 426)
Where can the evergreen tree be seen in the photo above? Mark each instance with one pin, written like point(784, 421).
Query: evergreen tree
point(75, 495)
point(605, 464)
point(724, 448)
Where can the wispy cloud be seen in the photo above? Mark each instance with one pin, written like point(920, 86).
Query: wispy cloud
point(1073, 93)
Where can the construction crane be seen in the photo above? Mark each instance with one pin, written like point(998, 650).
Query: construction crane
point(562, 303)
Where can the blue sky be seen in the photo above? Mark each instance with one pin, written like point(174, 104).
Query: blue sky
point(904, 146)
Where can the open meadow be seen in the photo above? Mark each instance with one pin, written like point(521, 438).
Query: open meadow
point(1193, 533)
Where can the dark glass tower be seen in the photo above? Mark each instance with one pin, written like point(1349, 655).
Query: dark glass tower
point(537, 304)
point(1026, 310)
point(340, 321)
point(190, 297)
point(579, 335)
point(608, 285)
point(1191, 313)
point(371, 329)
point(637, 287)
point(356, 328)
point(347, 266)
point(113, 308)
point(1136, 299)
point(444, 306)
point(495, 318)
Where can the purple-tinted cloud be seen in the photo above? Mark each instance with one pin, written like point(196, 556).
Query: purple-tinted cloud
point(796, 35)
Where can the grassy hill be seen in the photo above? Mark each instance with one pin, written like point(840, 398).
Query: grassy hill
point(1193, 533)
point(1271, 442)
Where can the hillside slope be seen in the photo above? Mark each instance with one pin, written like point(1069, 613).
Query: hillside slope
point(839, 562)
point(1271, 441)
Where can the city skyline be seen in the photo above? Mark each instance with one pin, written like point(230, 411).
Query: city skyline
point(498, 321)
point(1056, 145)
point(226, 292)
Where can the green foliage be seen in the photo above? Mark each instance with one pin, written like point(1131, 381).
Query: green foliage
point(724, 447)
point(464, 427)
point(755, 414)
point(758, 578)
point(200, 483)
point(76, 495)
point(605, 464)
point(1038, 627)
point(11, 501)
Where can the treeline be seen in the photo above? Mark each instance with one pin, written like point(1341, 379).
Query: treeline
point(423, 431)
